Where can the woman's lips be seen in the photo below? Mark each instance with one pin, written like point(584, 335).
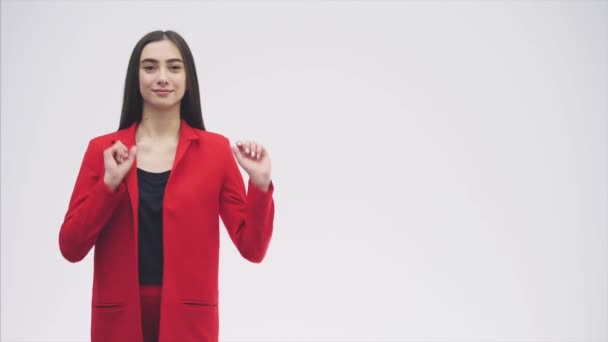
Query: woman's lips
point(163, 92)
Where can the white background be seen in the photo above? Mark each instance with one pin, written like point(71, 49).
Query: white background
point(440, 167)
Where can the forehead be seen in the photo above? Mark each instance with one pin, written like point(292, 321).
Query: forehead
point(160, 50)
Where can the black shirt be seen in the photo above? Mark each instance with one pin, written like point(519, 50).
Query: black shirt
point(151, 193)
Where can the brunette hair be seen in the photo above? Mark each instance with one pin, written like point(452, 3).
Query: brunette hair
point(132, 104)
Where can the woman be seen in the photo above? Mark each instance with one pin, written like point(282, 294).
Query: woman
point(149, 198)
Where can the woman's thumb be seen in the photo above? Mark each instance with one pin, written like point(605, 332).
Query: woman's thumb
point(133, 152)
point(236, 150)
point(131, 158)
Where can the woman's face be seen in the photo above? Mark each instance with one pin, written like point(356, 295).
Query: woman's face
point(162, 77)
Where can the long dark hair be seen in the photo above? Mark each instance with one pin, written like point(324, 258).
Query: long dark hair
point(132, 103)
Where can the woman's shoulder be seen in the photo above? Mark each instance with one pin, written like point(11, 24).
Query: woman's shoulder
point(212, 137)
point(99, 143)
point(109, 138)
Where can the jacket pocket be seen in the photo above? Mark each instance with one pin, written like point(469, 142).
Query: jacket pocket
point(112, 322)
point(109, 307)
point(196, 304)
point(196, 321)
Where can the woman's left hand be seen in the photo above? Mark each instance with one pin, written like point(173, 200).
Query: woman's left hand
point(254, 158)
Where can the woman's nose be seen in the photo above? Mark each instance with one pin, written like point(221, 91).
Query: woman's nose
point(162, 77)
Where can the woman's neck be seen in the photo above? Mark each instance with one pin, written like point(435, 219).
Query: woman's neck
point(157, 124)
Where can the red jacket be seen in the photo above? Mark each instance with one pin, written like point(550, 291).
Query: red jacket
point(205, 184)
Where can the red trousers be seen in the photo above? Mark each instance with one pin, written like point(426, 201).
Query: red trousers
point(150, 311)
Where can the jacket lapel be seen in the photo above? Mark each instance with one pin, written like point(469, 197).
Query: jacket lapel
point(128, 138)
point(187, 134)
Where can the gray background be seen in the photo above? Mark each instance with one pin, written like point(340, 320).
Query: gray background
point(440, 167)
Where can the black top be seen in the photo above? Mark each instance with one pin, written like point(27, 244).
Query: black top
point(151, 193)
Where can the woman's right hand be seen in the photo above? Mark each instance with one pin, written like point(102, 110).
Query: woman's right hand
point(118, 160)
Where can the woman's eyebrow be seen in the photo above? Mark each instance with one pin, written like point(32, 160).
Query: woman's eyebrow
point(152, 60)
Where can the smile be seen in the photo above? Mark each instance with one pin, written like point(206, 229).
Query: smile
point(163, 92)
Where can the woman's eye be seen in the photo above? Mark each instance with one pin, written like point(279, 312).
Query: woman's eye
point(149, 67)
point(176, 67)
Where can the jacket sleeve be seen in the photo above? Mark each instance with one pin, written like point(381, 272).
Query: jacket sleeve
point(247, 217)
point(91, 206)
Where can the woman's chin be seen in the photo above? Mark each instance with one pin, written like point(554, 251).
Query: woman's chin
point(163, 105)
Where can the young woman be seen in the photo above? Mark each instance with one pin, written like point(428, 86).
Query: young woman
point(149, 197)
